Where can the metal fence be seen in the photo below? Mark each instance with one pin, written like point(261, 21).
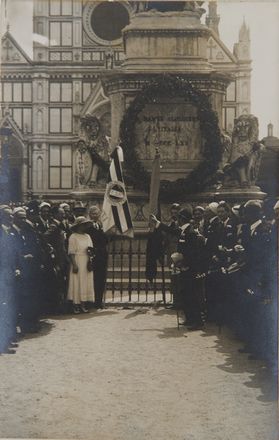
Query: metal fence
point(126, 281)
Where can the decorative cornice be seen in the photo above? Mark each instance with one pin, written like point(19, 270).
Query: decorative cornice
point(214, 81)
point(196, 32)
point(15, 76)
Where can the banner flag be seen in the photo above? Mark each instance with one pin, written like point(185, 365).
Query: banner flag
point(116, 213)
point(154, 246)
point(155, 184)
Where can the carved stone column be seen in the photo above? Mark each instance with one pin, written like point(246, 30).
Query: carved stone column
point(117, 113)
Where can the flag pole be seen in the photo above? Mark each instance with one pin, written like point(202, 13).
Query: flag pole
point(155, 184)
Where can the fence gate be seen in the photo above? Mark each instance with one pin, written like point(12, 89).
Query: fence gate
point(126, 281)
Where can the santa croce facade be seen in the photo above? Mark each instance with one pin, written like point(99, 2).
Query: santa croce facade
point(45, 99)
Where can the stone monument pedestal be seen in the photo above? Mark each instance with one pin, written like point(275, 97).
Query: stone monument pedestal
point(173, 43)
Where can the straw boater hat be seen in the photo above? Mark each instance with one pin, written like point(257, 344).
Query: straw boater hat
point(80, 221)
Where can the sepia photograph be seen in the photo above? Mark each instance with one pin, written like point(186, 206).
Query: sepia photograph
point(139, 219)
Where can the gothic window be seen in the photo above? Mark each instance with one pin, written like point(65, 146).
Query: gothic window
point(27, 120)
point(61, 7)
point(39, 4)
point(40, 28)
point(27, 95)
point(55, 33)
point(60, 167)
point(60, 33)
point(17, 92)
point(61, 92)
point(66, 92)
point(60, 120)
point(54, 7)
point(66, 33)
point(231, 92)
point(7, 92)
point(17, 116)
point(23, 118)
point(86, 90)
point(55, 92)
point(54, 120)
point(66, 120)
point(66, 7)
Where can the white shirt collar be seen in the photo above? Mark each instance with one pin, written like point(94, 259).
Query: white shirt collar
point(254, 226)
point(17, 228)
point(45, 222)
point(212, 219)
point(183, 227)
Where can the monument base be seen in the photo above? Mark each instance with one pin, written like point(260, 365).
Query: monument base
point(234, 194)
point(139, 201)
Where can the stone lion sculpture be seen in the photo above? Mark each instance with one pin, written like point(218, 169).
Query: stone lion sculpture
point(244, 154)
point(93, 147)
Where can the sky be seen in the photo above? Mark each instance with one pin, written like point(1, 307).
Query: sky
point(262, 17)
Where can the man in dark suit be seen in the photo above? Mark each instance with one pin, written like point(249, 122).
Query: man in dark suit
point(57, 269)
point(190, 259)
point(100, 242)
point(42, 223)
point(252, 288)
point(28, 249)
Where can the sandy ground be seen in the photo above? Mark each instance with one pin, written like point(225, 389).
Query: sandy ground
point(131, 375)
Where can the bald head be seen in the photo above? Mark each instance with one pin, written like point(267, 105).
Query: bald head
point(94, 213)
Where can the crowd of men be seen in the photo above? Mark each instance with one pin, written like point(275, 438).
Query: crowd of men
point(223, 263)
point(34, 265)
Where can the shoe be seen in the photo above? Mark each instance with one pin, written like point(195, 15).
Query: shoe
point(99, 306)
point(195, 327)
point(76, 310)
point(8, 351)
point(84, 309)
point(14, 344)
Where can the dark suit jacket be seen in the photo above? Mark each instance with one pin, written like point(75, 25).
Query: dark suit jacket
point(100, 242)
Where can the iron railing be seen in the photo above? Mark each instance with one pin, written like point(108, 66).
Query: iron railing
point(126, 281)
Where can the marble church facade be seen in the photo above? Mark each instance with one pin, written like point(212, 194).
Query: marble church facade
point(44, 98)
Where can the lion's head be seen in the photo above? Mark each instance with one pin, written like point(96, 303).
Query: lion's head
point(246, 128)
point(91, 125)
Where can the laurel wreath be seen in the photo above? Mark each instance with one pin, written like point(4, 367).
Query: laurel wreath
point(172, 86)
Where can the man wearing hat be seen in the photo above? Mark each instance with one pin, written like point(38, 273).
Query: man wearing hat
point(29, 255)
point(42, 224)
point(252, 287)
point(8, 293)
point(100, 242)
point(191, 261)
point(58, 261)
point(198, 218)
point(170, 243)
point(191, 246)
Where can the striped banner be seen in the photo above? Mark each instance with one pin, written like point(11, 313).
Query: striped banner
point(116, 214)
